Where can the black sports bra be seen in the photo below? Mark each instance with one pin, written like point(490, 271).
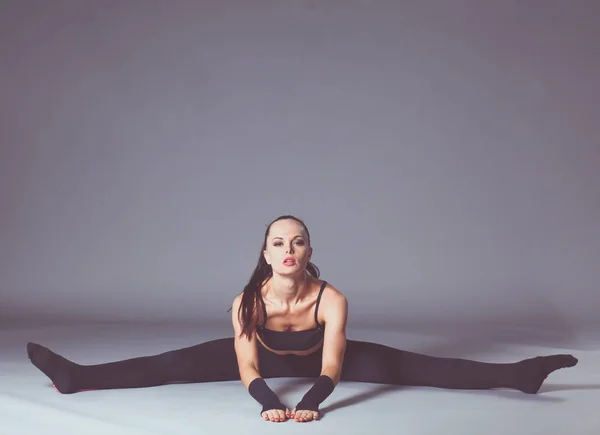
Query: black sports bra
point(292, 340)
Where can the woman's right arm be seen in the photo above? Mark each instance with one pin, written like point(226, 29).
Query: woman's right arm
point(247, 357)
point(245, 349)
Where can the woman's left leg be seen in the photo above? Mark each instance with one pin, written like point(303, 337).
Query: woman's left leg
point(377, 363)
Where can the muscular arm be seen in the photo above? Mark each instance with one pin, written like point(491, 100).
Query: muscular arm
point(245, 349)
point(247, 358)
point(335, 313)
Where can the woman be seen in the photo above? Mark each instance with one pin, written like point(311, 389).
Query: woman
point(288, 323)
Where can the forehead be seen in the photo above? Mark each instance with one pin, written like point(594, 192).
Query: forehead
point(286, 228)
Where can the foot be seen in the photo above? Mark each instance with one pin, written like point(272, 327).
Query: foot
point(534, 371)
point(60, 370)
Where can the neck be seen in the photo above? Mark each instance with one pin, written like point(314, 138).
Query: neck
point(288, 290)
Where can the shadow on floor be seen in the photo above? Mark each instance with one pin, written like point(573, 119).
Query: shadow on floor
point(382, 390)
point(456, 349)
point(550, 388)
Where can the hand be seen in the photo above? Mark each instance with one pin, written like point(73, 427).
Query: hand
point(304, 415)
point(276, 414)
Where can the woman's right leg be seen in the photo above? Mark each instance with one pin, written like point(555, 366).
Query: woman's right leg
point(211, 361)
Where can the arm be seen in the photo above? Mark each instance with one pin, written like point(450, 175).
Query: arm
point(245, 349)
point(247, 358)
point(334, 347)
point(335, 314)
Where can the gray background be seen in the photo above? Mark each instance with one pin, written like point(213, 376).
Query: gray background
point(444, 154)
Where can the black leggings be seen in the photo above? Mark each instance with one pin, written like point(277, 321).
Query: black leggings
point(215, 360)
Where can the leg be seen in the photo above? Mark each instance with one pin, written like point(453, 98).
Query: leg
point(376, 363)
point(206, 362)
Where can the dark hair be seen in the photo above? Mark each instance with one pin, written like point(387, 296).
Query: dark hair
point(262, 271)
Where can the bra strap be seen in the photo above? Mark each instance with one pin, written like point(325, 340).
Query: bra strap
point(318, 302)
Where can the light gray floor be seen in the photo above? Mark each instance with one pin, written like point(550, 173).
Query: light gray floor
point(567, 403)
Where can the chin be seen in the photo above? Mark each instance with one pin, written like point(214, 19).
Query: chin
point(291, 271)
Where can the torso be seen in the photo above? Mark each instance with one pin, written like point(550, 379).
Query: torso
point(301, 317)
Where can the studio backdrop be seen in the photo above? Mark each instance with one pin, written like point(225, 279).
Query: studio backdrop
point(444, 155)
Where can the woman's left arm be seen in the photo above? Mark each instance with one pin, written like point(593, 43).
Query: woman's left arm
point(335, 314)
point(334, 347)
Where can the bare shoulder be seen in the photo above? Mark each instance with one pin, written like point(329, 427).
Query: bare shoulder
point(332, 294)
point(235, 306)
point(334, 304)
point(237, 301)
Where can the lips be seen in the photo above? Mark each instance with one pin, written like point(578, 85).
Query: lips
point(290, 261)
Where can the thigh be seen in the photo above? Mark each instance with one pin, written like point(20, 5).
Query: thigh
point(369, 362)
point(210, 361)
point(377, 363)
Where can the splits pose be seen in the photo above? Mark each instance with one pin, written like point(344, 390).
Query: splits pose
point(306, 337)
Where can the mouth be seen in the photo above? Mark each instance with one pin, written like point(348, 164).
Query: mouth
point(289, 262)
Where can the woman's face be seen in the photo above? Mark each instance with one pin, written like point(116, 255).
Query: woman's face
point(287, 249)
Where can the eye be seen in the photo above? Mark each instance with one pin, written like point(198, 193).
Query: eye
point(300, 242)
point(277, 244)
